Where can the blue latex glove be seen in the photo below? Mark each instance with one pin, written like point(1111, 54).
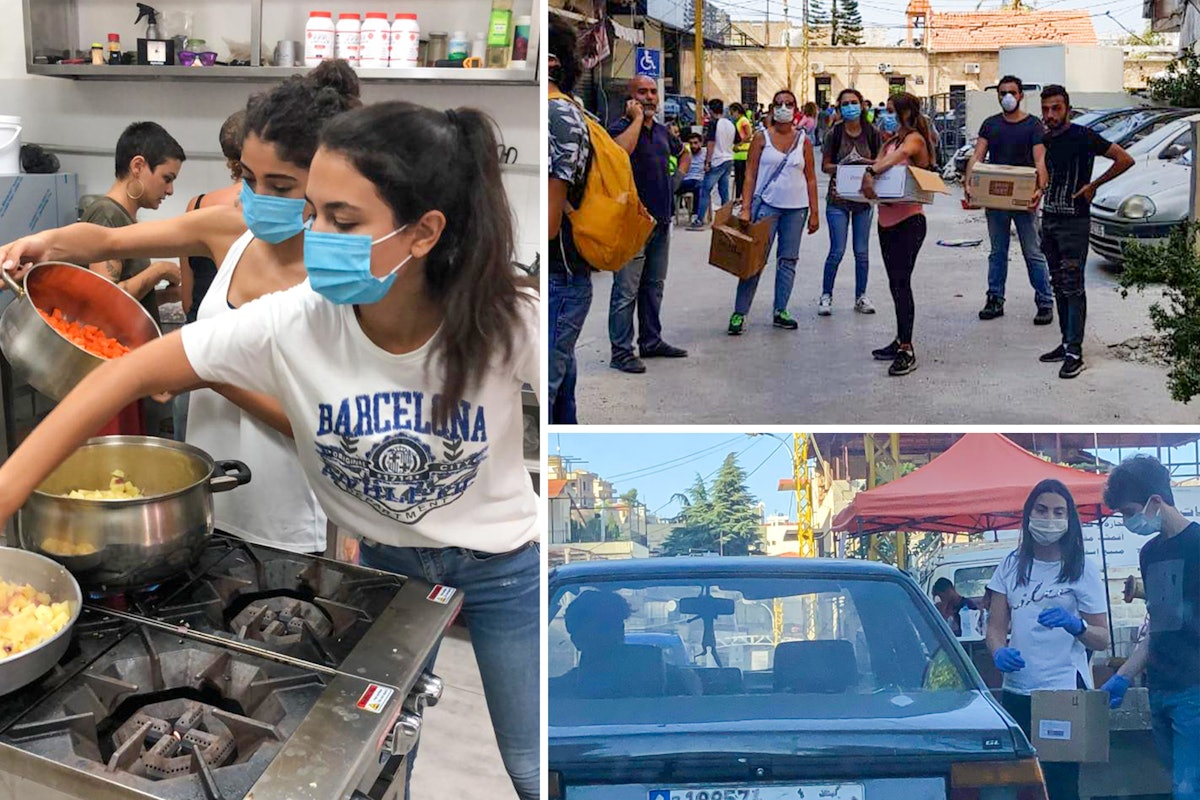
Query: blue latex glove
point(1116, 686)
point(1059, 617)
point(1008, 659)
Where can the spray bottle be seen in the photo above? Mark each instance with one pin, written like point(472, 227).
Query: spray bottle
point(151, 26)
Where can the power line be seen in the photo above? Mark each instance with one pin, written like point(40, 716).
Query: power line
point(753, 441)
point(655, 468)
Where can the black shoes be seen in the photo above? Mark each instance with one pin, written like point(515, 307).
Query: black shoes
point(631, 365)
point(784, 320)
point(1072, 366)
point(904, 363)
point(1057, 354)
point(1045, 315)
point(888, 353)
point(663, 350)
point(993, 308)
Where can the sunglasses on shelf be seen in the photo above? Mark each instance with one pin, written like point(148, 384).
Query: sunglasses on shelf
point(188, 58)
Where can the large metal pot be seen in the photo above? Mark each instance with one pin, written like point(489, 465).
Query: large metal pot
point(20, 567)
point(47, 360)
point(112, 545)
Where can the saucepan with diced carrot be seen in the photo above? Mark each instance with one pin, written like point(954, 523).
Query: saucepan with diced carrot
point(65, 322)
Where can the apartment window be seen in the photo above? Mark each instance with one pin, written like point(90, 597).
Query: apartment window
point(749, 91)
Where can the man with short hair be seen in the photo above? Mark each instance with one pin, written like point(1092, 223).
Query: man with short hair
point(718, 160)
point(1071, 151)
point(1140, 490)
point(1013, 138)
point(949, 602)
point(639, 284)
point(693, 179)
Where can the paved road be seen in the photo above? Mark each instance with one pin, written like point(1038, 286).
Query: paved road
point(970, 371)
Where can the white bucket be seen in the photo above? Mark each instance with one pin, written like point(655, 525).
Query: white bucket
point(10, 145)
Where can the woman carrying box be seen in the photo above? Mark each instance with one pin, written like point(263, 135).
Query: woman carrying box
point(781, 186)
point(901, 225)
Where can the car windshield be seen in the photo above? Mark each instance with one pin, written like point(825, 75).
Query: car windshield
point(732, 648)
point(1122, 128)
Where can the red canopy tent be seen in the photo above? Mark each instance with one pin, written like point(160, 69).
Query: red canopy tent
point(979, 484)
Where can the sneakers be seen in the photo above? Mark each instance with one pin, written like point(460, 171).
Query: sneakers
point(1072, 366)
point(784, 320)
point(863, 305)
point(904, 363)
point(888, 353)
point(737, 323)
point(825, 305)
point(993, 308)
point(663, 350)
point(696, 225)
point(1057, 354)
point(631, 365)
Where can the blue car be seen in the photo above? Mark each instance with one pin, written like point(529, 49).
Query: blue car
point(765, 679)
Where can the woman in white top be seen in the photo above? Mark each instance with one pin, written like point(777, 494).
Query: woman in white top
point(781, 186)
point(1054, 600)
point(259, 248)
point(398, 366)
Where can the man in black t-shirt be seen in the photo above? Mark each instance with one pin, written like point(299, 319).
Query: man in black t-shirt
point(1140, 490)
point(1071, 151)
point(1013, 138)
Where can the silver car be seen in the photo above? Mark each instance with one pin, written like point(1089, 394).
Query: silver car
point(1151, 199)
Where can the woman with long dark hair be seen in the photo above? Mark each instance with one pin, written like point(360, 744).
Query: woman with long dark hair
point(1054, 601)
point(398, 366)
point(901, 225)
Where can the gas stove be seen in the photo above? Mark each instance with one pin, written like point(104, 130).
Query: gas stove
point(257, 675)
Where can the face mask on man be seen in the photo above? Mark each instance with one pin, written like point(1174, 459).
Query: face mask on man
point(784, 113)
point(1047, 531)
point(1143, 525)
point(1008, 102)
point(851, 111)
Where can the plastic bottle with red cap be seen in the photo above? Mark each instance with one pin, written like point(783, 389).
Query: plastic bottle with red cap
point(406, 42)
point(319, 38)
point(376, 40)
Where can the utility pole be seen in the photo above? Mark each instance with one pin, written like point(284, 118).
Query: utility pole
point(787, 44)
point(698, 13)
point(804, 58)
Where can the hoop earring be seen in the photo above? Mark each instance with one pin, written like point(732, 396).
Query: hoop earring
point(137, 196)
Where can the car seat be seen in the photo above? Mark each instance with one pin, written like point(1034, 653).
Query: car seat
point(823, 666)
point(629, 670)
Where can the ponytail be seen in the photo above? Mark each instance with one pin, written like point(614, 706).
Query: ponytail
point(423, 160)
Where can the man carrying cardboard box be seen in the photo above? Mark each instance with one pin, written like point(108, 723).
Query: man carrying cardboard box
point(1140, 490)
point(1013, 138)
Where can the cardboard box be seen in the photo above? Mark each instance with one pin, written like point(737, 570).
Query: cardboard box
point(894, 185)
point(738, 247)
point(1002, 187)
point(1070, 725)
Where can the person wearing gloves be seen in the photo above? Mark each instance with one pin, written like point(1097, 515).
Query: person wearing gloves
point(1140, 490)
point(1054, 599)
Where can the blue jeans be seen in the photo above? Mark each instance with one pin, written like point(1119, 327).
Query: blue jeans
point(1175, 720)
point(789, 224)
point(719, 177)
point(690, 186)
point(640, 283)
point(840, 219)
point(570, 299)
point(999, 232)
point(502, 610)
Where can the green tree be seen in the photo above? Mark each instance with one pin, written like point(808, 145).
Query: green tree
point(819, 22)
point(848, 27)
point(721, 518)
point(1176, 266)
point(1181, 85)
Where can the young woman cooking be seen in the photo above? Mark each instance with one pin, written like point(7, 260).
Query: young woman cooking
point(280, 138)
point(399, 368)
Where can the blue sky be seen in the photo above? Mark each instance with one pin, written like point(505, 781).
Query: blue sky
point(660, 465)
point(890, 13)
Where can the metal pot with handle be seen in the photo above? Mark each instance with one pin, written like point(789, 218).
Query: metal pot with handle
point(20, 567)
point(117, 544)
point(47, 360)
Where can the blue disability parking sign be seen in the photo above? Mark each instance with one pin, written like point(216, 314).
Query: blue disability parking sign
point(649, 63)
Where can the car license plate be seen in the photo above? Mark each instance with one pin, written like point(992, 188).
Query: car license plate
point(829, 791)
point(1097, 229)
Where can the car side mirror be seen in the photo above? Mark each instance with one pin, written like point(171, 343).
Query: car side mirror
point(1173, 152)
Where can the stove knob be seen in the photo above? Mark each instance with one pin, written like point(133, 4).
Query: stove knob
point(404, 735)
point(430, 686)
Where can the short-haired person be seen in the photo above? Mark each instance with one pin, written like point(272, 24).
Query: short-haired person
point(743, 124)
point(1013, 138)
point(1140, 490)
point(1055, 602)
point(719, 139)
point(950, 603)
point(692, 181)
point(1071, 151)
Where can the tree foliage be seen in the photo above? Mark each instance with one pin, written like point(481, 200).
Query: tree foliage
point(719, 518)
point(849, 23)
point(1181, 85)
point(1176, 266)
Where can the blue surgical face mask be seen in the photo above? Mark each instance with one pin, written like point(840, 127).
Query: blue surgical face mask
point(339, 267)
point(889, 122)
point(1143, 525)
point(851, 111)
point(272, 219)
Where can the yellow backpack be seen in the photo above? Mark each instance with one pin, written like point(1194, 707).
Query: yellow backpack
point(609, 225)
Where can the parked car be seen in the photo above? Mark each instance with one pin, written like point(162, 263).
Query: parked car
point(1146, 203)
point(680, 108)
point(813, 678)
point(1150, 143)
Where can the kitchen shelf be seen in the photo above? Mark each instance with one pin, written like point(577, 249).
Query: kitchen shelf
point(218, 74)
